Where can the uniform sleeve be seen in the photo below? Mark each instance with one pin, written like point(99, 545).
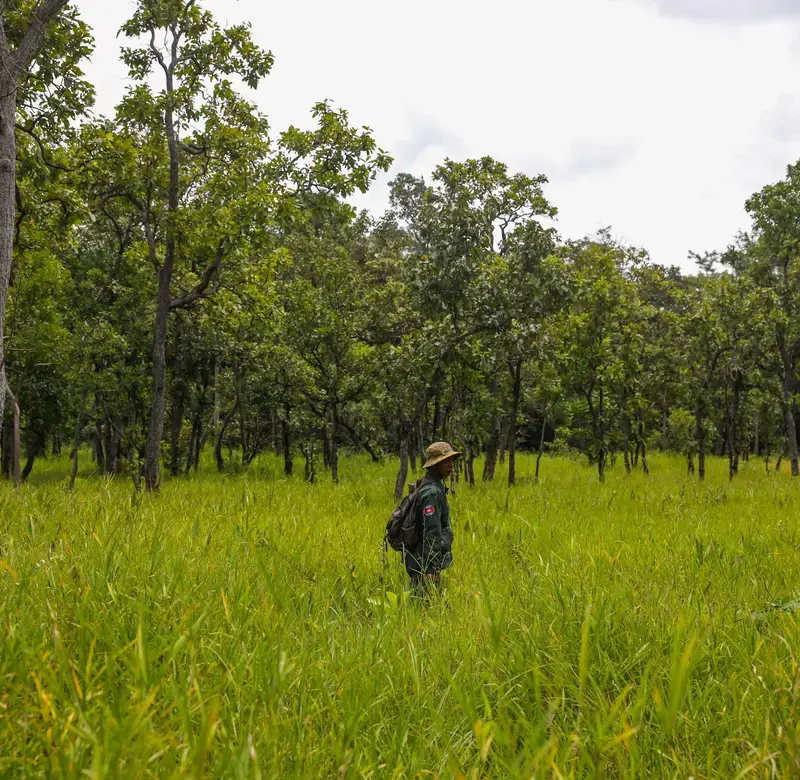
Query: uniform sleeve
point(432, 509)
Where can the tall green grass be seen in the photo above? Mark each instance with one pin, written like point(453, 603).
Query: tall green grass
point(250, 626)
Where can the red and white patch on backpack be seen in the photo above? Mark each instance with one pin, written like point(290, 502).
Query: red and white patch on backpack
point(428, 511)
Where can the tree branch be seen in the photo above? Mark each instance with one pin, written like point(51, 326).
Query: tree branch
point(23, 55)
point(201, 289)
point(42, 150)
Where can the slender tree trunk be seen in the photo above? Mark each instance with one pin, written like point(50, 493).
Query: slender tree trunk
point(152, 463)
point(601, 464)
point(178, 404)
point(791, 428)
point(310, 468)
point(112, 442)
point(286, 435)
point(402, 474)
point(412, 450)
point(99, 452)
point(504, 433)
point(204, 434)
point(494, 438)
point(220, 438)
point(541, 446)
point(470, 463)
point(700, 435)
point(237, 383)
point(645, 464)
point(77, 440)
point(194, 439)
point(35, 446)
point(690, 463)
point(757, 444)
point(516, 395)
point(8, 168)
point(334, 453)
point(626, 438)
point(33, 449)
point(326, 448)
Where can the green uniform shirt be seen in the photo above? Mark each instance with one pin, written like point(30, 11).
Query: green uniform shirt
point(435, 551)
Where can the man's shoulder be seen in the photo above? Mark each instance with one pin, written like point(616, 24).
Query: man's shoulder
point(429, 488)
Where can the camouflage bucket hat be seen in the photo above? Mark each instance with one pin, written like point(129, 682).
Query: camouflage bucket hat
point(439, 451)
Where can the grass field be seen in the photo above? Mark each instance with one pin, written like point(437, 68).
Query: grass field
point(249, 627)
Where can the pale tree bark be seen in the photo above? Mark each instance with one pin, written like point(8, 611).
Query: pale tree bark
point(13, 67)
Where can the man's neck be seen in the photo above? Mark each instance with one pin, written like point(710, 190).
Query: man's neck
point(434, 475)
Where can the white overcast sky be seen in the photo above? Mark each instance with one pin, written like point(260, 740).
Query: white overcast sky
point(657, 117)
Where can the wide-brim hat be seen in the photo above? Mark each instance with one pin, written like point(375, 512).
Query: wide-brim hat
point(439, 451)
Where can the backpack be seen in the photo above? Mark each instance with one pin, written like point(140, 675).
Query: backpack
point(402, 530)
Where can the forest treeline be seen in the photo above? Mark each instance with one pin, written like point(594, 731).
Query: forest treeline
point(177, 277)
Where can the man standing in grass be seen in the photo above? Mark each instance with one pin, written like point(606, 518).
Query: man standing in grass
point(433, 553)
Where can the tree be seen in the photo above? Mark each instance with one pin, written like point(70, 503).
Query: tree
point(194, 161)
point(774, 264)
point(26, 83)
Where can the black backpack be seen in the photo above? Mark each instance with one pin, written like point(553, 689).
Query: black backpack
point(402, 530)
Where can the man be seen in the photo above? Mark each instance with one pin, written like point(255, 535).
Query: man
point(434, 551)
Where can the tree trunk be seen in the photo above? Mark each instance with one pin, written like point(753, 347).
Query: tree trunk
point(700, 435)
point(791, 429)
point(601, 464)
point(99, 452)
point(512, 452)
point(238, 389)
point(194, 440)
point(204, 434)
point(8, 168)
point(113, 441)
point(310, 468)
point(286, 435)
point(470, 464)
point(504, 433)
point(77, 441)
point(33, 448)
point(541, 446)
point(220, 439)
point(335, 447)
point(626, 440)
point(690, 463)
point(643, 443)
point(152, 463)
point(178, 403)
point(16, 63)
point(326, 448)
point(494, 438)
point(757, 443)
point(402, 474)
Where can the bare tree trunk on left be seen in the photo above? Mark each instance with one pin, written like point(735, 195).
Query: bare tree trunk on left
point(13, 66)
